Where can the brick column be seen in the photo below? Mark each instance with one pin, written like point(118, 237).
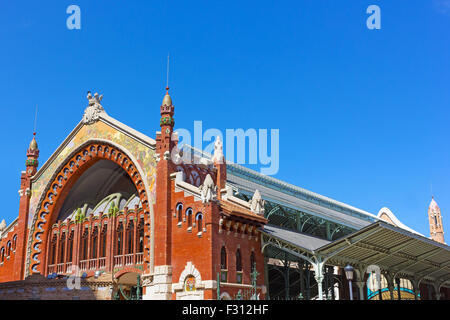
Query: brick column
point(66, 248)
point(47, 256)
point(124, 242)
point(88, 253)
point(110, 243)
point(76, 246)
point(58, 237)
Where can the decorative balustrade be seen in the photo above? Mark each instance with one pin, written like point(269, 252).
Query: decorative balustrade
point(129, 259)
point(102, 263)
point(139, 258)
point(60, 268)
point(83, 265)
point(51, 268)
point(98, 263)
point(118, 261)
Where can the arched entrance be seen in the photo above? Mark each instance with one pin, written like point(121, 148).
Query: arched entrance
point(70, 176)
point(128, 285)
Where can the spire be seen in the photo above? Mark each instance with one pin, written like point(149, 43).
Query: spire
point(33, 144)
point(220, 165)
point(32, 156)
point(167, 101)
point(167, 111)
point(435, 220)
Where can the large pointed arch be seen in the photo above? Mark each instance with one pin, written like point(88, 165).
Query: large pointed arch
point(60, 184)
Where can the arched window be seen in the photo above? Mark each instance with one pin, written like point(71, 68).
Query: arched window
point(70, 251)
point(238, 260)
point(119, 242)
point(3, 254)
point(223, 259)
point(189, 218)
point(252, 262)
point(15, 242)
point(62, 246)
point(179, 210)
point(84, 245)
point(223, 265)
point(199, 219)
point(103, 241)
point(238, 266)
point(130, 237)
point(53, 250)
point(94, 240)
point(141, 235)
point(8, 248)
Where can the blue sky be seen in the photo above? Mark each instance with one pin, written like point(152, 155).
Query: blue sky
point(363, 114)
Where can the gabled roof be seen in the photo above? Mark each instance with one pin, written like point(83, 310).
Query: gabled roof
point(105, 118)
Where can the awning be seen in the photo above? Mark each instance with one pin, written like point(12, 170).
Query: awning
point(395, 250)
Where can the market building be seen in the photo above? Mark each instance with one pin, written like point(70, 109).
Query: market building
point(115, 214)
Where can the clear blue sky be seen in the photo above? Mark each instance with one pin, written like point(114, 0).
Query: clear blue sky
point(363, 114)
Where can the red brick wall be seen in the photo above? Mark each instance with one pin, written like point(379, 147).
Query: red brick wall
point(7, 266)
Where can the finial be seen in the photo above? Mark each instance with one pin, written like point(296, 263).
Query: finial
point(167, 101)
point(92, 112)
point(218, 151)
point(168, 65)
point(33, 144)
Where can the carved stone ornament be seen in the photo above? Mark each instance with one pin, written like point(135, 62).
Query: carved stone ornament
point(92, 112)
point(147, 280)
point(207, 190)
point(218, 151)
point(257, 203)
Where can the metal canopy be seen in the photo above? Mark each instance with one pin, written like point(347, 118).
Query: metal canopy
point(398, 251)
point(395, 250)
point(303, 241)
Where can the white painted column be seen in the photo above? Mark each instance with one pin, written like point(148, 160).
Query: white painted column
point(360, 285)
point(318, 275)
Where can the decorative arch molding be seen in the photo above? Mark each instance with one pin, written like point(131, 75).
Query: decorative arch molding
point(178, 288)
point(123, 271)
point(225, 296)
point(64, 177)
point(189, 269)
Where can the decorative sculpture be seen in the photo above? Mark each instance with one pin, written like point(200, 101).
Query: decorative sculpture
point(257, 203)
point(92, 112)
point(208, 190)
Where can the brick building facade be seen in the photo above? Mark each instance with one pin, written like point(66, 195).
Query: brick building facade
point(125, 214)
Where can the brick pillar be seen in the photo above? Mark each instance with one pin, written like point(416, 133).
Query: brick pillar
point(66, 249)
point(58, 237)
point(22, 228)
point(99, 238)
point(110, 237)
point(47, 256)
point(76, 246)
point(162, 273)
point(89, 235)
